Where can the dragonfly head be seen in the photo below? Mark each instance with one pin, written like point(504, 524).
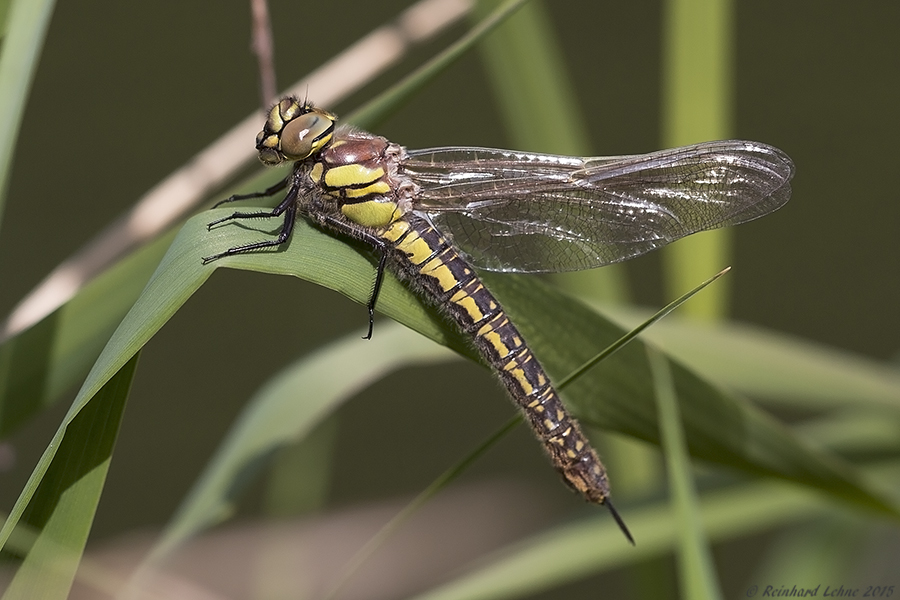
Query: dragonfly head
point(295, 130)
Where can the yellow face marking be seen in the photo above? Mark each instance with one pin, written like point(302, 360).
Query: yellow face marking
point(275, 121)
point(467, 302)
point(289, 109)
point(270, 142)
point(438, 269)
point(379, 187)
point(316, 172)
point(347, 175)
point(416, 248)
point(319, 144)
point(370, 214)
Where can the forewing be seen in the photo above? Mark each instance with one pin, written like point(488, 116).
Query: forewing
point(512, 211)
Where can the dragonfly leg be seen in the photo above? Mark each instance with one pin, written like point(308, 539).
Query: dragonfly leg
point(376, 243)
point(288, 207)
point(376, 288)
point(271, 191)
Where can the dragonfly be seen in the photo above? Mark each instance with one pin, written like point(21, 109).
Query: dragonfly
point(436, 215)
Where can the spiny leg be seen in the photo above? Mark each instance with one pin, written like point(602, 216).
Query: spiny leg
point(271, 191)
point(288, 207)
point(376, 288)
point(377, 244)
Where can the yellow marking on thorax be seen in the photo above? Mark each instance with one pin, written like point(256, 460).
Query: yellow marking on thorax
point(316, 172)
point(379, 187)
point(353, 174)
point(372, 213)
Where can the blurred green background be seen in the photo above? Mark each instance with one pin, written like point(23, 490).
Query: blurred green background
point(127, 92)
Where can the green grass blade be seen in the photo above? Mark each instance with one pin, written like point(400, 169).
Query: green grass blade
point(27, 27)
point(697, 101)
point(65, 498)
point(695, 564)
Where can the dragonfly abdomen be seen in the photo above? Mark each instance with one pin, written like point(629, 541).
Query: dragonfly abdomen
point(428, 260)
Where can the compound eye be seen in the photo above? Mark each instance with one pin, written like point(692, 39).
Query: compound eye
point(306, 134)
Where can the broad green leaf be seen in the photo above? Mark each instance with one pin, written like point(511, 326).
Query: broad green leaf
point(65, 498)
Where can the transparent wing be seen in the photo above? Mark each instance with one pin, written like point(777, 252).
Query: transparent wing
point(515, 211)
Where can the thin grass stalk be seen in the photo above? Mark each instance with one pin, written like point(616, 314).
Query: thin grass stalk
point(697, 106)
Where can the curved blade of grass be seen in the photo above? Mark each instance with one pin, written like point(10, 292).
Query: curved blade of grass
point(576, 550)
point(285, 410)
point(695, 565)
point(25, 32)
point(65, 498)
